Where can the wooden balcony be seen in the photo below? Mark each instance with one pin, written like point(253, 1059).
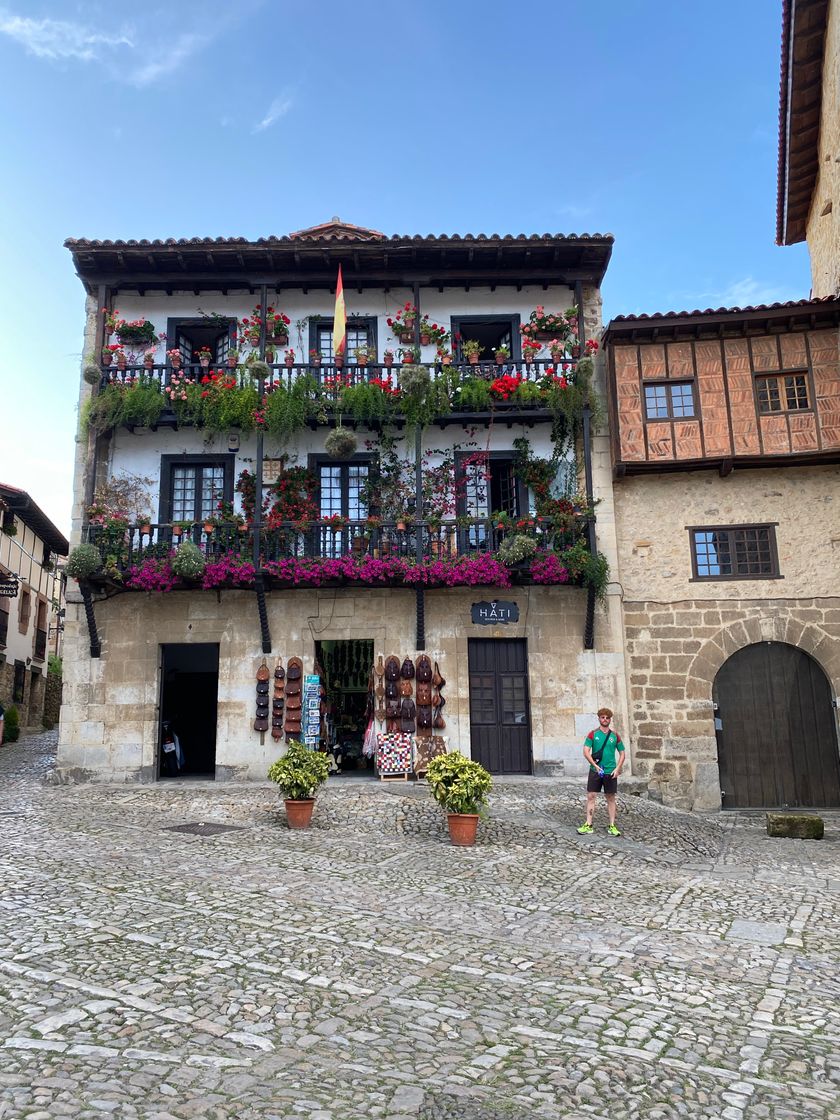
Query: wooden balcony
point(462, 552)
point(456, 389)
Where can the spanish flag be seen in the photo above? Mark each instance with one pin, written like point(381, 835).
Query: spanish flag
point(340, 319)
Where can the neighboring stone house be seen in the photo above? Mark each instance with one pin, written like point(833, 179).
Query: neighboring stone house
point(31, 617)
point(809, 137)
point(726, 450)
point(357, 557)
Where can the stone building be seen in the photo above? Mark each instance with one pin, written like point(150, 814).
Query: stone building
point(31, 609)
point(726, 450)
point(473, 541)
point(809, 137)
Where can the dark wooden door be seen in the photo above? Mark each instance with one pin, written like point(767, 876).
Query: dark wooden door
point(776, 730)
point(500, 725)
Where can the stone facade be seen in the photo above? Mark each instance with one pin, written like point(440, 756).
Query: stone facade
point(109, 719)
point(679, 631)
point(823, 229)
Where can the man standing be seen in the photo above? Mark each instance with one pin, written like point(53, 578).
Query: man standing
point(2, 723)
point(604, 751)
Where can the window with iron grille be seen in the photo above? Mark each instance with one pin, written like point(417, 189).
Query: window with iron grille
point(784, 393)
point(669, 400)
point(734, 552)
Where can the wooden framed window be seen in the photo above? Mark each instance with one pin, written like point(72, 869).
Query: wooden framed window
point(734, 552)
point(669, 400)
point(215, 331)
point(492, 331)
point(787, 392)
point(24, 611)
point(191, 486)
point(358, 332)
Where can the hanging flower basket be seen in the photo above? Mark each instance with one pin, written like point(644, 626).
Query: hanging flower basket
point(341, 443)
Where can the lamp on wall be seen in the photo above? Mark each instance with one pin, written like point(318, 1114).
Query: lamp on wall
point(233, 441)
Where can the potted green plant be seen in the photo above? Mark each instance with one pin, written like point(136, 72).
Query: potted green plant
point(409, 355)
point(83, 561)
point(502, 355)
point(340, 443)
point(365, 354)
point(136, 332)
point(388, 358)
point(472, 350)
point(460, 786)
point(179, 527)
point(299, 773)
point(402, 324)
point(188, 561)
point(315, 357)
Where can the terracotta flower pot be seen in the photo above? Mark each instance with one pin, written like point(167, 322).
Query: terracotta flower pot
point(338, 362)
point(299, 813)
point(462, 828)
point(146, 528)
point(425, 339)
point(361, 362)
point(209, 527)
point(289, 360)
point(388, 361)
point(446, 361)
point(400, 526)
point(176, 363)
point(122, 363)
point(501, 359)
point(107, 359)
point(472, 359)
point(281, 338)
point(232, 363)
point(176, 531)
point(204, 363)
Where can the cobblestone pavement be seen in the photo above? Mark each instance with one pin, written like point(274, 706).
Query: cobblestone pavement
point(366, 968)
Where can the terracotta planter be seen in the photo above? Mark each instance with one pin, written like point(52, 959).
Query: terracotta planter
point(575, 351)
point(146, 528)
point(462, 828)
point(501, 359)
point(472, 359)
point(388, 361)
point(338, 362)
point(400, 526)
point(446, 361)
point(299, 813)
point(425, 339)
point(281, 338)
point(176, 363)
point(232, 363)
point(149, 363)
point(107, 359)
point(204, 363)
point(122, 363)
point(316, 361)
point(209, 527)
point(289, 361)
point(176, 532)
point(362, 362)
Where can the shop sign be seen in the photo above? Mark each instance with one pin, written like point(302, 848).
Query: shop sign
point(311, 709)
point(492, 614)
point(8, 586)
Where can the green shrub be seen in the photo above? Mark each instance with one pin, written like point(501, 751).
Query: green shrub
point(458, 784)
point(84, 560)
point(188, 561)
point(299, 772)
point(11, 726)
point(54, 665)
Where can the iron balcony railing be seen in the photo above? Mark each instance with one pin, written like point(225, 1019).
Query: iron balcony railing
point(123, 547)
point(330, 377)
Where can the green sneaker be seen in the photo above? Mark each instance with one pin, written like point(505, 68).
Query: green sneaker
point(612, 830)
point(585, 829)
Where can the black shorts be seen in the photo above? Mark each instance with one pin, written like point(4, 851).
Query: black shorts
point(595, 783)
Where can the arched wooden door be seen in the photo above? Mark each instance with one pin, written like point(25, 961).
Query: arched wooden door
point(776, 730)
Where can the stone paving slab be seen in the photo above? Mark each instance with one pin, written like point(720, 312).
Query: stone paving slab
point(367, 968)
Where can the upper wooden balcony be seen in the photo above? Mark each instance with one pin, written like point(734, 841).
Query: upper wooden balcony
point(162, 395)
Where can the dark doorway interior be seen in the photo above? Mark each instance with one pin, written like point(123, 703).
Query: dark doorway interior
point(776, 730)
point(189, 695)
point(500, 726)
point(491, 331)
point(346, 669)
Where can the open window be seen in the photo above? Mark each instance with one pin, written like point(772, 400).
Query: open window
point(342, 490)
point(492, 331)
point(359, 331)
point(485, 484)
point(188, 335)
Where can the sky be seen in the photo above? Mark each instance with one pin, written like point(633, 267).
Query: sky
point(651, 120)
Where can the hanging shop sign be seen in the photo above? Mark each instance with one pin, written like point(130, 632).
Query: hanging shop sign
point(8, 586)
point(311, 709)
point(498, 611)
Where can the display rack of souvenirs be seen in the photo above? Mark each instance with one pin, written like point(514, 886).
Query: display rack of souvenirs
point(261, 719)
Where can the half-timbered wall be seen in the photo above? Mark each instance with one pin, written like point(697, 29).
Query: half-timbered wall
point(722, 373)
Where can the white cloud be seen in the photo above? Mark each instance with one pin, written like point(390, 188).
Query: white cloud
point(748, 292)
point(59, 39)
point(169, 59)
point(277, 109)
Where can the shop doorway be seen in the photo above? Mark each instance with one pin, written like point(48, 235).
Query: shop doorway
point(346, 668)
point(776, 730)
point(500, 729)
point(189, 675)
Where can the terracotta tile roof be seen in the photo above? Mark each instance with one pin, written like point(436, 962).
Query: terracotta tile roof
point(715, 311)
point(804, 24)
point(31, 514)
point(414, 238)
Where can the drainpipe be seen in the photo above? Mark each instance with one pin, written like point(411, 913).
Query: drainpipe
point(259, 584)
point(419, 593)
point(589, 625)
